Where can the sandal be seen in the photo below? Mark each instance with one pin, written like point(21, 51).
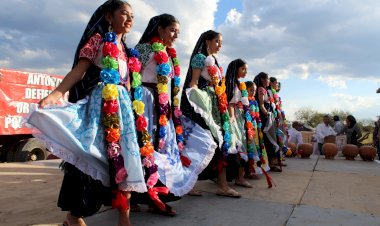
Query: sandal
point(252, 176)
point(229, 193)
point(194, 192)
point(244, 184)
point(66, 223)
point(69, 217)
point(167, 212)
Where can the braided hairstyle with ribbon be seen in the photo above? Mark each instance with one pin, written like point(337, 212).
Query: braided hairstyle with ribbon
point(200, 47)
point(97, 24)
point(232, 77)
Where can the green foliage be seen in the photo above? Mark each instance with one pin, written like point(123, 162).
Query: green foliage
point(312, 118)
point(342, 114)
point(366, 125)
point(309, 116)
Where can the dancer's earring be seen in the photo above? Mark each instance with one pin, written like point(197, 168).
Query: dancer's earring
point(110, 29)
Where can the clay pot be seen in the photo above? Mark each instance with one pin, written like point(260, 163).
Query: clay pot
point(350, 151)
point(329, 139)
point(330, 150)
point(305, 150)
point(367, 153)
point(293, 149)
point(292, 146)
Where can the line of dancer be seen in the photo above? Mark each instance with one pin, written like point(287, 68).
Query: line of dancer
point(131, 136)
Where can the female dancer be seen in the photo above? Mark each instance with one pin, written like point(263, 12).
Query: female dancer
point(178, 165)
point(204, 105)
point(237, 97)
point(96, 137)
point(279, 115)
point(267, 118)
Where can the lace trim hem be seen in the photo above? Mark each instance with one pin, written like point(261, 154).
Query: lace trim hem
point(193, 178)
point(69, 157)
point(206, 116)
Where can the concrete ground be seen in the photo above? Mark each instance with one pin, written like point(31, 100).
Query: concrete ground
point(311, 191)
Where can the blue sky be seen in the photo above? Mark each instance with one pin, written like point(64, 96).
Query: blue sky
point(324, 52)
point(224, 6)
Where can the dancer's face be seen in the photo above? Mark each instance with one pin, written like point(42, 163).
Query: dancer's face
point(252, 91)
point(121, 19)
point(265, 81)
point(169, 34)
point(274, 85)
point(215, 44)
point(242, 71)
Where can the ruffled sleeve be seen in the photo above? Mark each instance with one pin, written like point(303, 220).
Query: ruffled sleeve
point(91, 49)
point(236, 97)
point(262, 91)
point(145, 51)
point(198, 61)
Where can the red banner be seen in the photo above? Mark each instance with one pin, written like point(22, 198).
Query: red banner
point(17, 91)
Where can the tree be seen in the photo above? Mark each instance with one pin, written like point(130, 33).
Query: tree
point(342, 114)
point(312, 118)
point(309, 116)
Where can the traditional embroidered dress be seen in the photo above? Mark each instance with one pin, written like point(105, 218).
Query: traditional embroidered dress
point(179, 178)
point(245, 127)
point(203, 118)
point(238, 126)
point(259, 150)
point(280, 121)
point(247, 150)
point(75, 133)
point(268, 125)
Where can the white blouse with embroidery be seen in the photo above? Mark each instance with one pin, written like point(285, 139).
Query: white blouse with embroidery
point(93, 51)
point(149, 65)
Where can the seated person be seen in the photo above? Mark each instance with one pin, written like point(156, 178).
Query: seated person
point(295, 135)
point(323, 130)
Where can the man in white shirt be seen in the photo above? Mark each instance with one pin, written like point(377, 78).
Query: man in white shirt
point(295, 135)
point(323, 130)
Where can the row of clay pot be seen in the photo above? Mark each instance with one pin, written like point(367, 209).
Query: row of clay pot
point(305, 150)
point(367, 153)
point(350, 151)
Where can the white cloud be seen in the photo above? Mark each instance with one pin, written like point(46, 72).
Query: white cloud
point(356, 103)
point(255, 19)
point(5, 35)
point(233, 17)
point(334, 81)
point(318, 38)
point(58, 26)
point(32, 54)
point(193, 19)
point(5, 63)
